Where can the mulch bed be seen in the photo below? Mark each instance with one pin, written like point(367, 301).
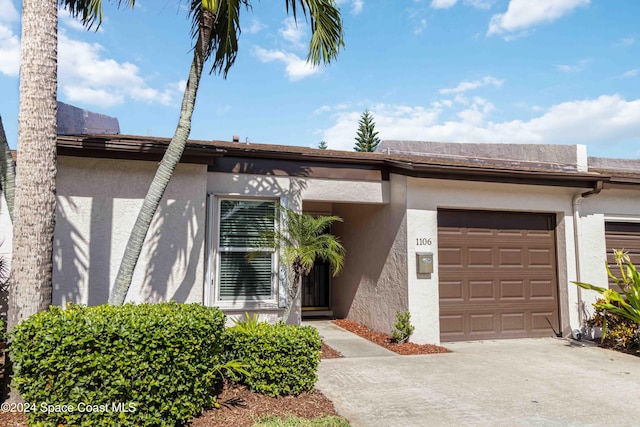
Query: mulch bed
point(239, 407)
point(386, 341)
point(329, 353)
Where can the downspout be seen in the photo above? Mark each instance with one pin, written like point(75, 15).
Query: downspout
point(577, 200)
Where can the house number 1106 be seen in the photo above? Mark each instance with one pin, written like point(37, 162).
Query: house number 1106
point(423, 241)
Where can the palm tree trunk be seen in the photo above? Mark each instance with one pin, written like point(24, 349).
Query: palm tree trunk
point(168, 164)
point(7, 171)
point(34, 215)
point(293, 291)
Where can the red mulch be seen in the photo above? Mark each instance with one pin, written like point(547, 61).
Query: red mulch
point(241, 407)
point(329, 353)
point(386, 341)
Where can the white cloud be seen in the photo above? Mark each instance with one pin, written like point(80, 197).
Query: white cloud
point(524, 14)
point(9, 40)
point(631, 73)
point(85, 76)
point(443, 4)
point(255, 27)
point(292, 32)
point(607, 119)
point(572, 68)
point(466, 86)
point(625, 42)
point(356, 5)
point(446, 4)
point(65, 18)
point(8, 13)
point(421, 27)
point(296, 68)
point(480, 4)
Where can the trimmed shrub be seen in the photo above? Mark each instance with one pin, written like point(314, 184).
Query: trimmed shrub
point(131, 365)
point(280, 359)
point(403, 327)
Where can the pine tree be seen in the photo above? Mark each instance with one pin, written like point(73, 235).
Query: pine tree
point(323, 145)
point(367, 139)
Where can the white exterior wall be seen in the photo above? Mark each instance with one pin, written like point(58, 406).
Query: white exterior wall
point(425, 196)
point(594, 211)
point(98, 202)
point(290, 192)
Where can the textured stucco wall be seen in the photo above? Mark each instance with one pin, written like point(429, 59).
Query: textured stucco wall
point(424, 198)
point(372, 287)
point(345, 191)
point(98, 201)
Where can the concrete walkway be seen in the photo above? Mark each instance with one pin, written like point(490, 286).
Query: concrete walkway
point(525, 382)
point(348, 344)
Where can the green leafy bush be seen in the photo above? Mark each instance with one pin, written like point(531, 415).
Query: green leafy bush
point(627, 305)
point(280, 359)
point(621, 333)
point(403, 327)
point(131, 365)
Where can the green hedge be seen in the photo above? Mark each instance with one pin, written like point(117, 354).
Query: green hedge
point(132, 365)
point(281, 359)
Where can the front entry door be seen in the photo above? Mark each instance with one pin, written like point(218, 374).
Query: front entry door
point(315, 287)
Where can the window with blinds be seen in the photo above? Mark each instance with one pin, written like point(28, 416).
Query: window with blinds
point(246, 263)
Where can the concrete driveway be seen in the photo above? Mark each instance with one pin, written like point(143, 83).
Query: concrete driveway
point(525, 382)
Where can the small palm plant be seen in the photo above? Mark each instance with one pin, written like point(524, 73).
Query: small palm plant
point(301, 240)
point(628, 306)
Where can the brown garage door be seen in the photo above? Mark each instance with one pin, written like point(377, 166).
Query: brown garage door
point(497, 275)
point(622, 235)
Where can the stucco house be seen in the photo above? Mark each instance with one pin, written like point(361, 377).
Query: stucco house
point(477, 241)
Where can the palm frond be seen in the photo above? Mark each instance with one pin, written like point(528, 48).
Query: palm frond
point(89, 11)
point(223, 40)
point(326, 31)
point(303, 238)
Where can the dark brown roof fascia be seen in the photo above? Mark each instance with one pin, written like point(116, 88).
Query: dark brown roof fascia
point(511, 176)
point(136, 149)
point(152, 148)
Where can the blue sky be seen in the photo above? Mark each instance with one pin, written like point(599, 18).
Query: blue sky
point(520, 71)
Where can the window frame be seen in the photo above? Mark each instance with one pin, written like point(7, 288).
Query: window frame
point(214, 258)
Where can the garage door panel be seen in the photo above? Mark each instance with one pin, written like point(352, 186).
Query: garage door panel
point(512, 290)
point(540, 321)
point(481, 290)
point(512, 322)
point(482, 323)
point(504, 273)
point(451, 290)
point(450, 257)
point(542, 289)
point(541, 257)
point(452, 325)
point(480, 257)
point(624, 236)
point(510, 257)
